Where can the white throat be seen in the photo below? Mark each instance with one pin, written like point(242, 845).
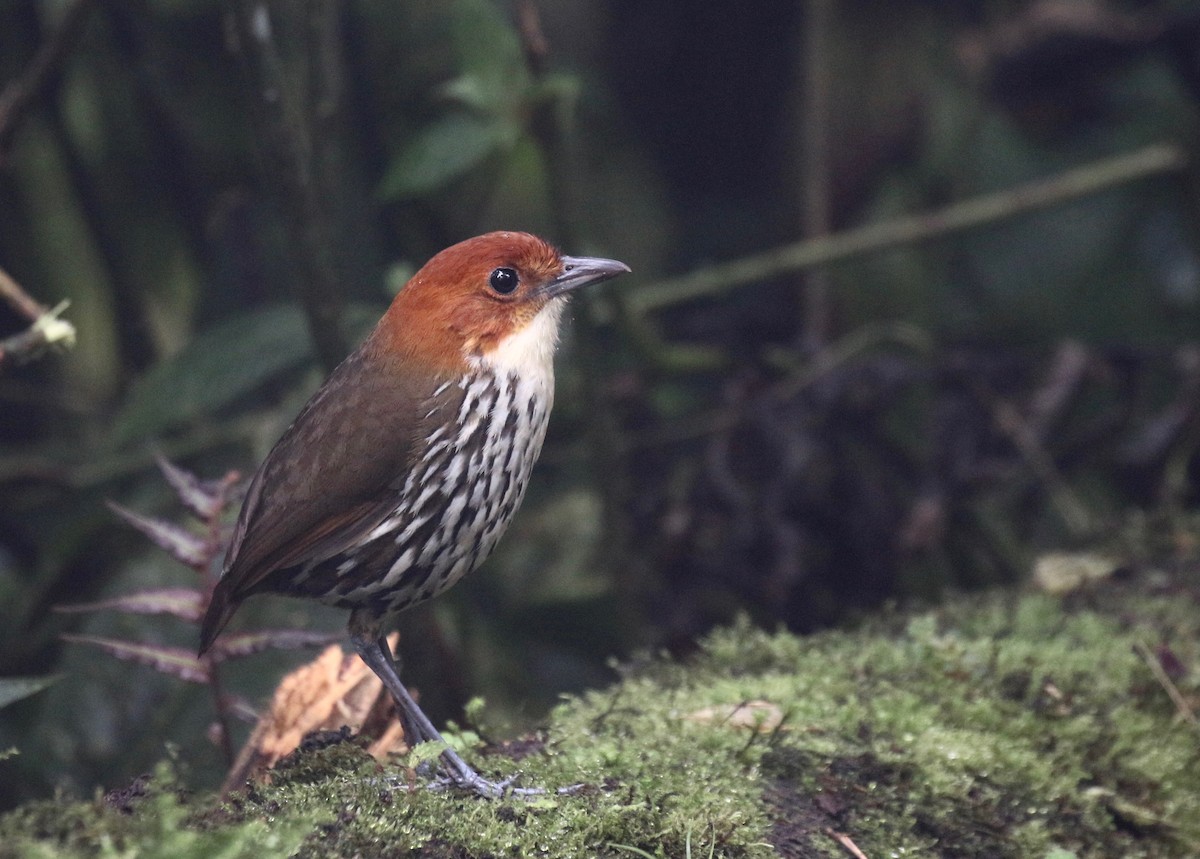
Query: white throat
point(529, 353)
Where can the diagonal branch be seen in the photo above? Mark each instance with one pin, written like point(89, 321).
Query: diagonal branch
point(20, 300)
point(1091, 178)
point(46, 328)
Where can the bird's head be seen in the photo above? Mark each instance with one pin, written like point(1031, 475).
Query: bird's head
point(494, 299)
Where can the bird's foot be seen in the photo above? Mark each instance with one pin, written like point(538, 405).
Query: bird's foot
point(458, 773)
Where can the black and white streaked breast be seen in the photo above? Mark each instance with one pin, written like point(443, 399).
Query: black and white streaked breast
point(456, 501)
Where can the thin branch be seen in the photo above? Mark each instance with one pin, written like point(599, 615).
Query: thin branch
point(46, 328)
point(1177, 698)
point(20, 300)
point(1062, 385)
point(22, 93)
point(1098, 176)
point(846, 841)
point(1012, 423)
point(221, 707)
point(533, 40)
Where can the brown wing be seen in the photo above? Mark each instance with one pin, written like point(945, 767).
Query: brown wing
point(333, 475)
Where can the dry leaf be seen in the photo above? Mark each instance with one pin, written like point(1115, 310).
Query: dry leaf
point(333, 690)
point(1060, 573)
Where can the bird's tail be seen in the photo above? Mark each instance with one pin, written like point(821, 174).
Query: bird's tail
point(220, 608)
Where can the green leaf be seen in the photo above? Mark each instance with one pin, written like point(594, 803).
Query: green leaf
point(557, 88)
point(224, 363)
point(495, 77)
point(441, 153)
point(13, 689)
point(423, 753)
point(218, 366)
point(489, 105)
point(474, 710)
point(460, 740)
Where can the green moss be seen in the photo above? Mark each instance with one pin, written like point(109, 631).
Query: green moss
point(1003, 726)
point(155, 824)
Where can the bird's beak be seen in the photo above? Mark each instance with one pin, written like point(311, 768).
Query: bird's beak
point(582, 271)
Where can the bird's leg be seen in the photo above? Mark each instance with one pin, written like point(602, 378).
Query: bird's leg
point(417, 727)
point(374, 651)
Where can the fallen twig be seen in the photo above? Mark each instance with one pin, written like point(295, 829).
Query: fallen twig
point(1073, 512)
point(845, 840)
point(1181, 704)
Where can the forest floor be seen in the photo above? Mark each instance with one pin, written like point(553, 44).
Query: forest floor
point(1006, 724)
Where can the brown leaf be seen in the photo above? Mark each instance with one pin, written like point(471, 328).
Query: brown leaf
point(333, 690)
point(184, 603)
point(1059, 573)
point(179, 543)
point(169, 660)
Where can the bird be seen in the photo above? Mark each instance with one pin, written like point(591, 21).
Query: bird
point(405, 468)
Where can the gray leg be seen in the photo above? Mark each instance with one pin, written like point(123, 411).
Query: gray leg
point(373, 649)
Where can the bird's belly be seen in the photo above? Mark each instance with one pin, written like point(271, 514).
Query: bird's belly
point(454, 505)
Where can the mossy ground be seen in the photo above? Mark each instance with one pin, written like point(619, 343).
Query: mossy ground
point(1002, 725)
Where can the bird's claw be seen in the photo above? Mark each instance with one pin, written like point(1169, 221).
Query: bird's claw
point(477, 784)
point(460, 775)
point(454, 772)
point(482, 787)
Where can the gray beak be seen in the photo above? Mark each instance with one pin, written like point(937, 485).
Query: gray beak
point(582, 271)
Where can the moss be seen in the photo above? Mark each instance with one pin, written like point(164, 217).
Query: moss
point(155, 824)
point(997, 726)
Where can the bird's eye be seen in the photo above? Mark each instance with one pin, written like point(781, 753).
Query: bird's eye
point(504, 280)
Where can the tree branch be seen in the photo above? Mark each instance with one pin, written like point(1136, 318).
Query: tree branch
point(46, 328)
point(1080, 182)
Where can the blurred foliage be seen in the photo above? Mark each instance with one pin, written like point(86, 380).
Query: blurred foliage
point(15, 688)
point(983, 393)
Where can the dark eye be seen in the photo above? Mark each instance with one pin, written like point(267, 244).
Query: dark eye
point(504, 280)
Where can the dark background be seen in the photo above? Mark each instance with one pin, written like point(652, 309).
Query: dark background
point(227, 215)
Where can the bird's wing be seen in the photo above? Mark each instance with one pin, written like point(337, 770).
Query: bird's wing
point(335, 473)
